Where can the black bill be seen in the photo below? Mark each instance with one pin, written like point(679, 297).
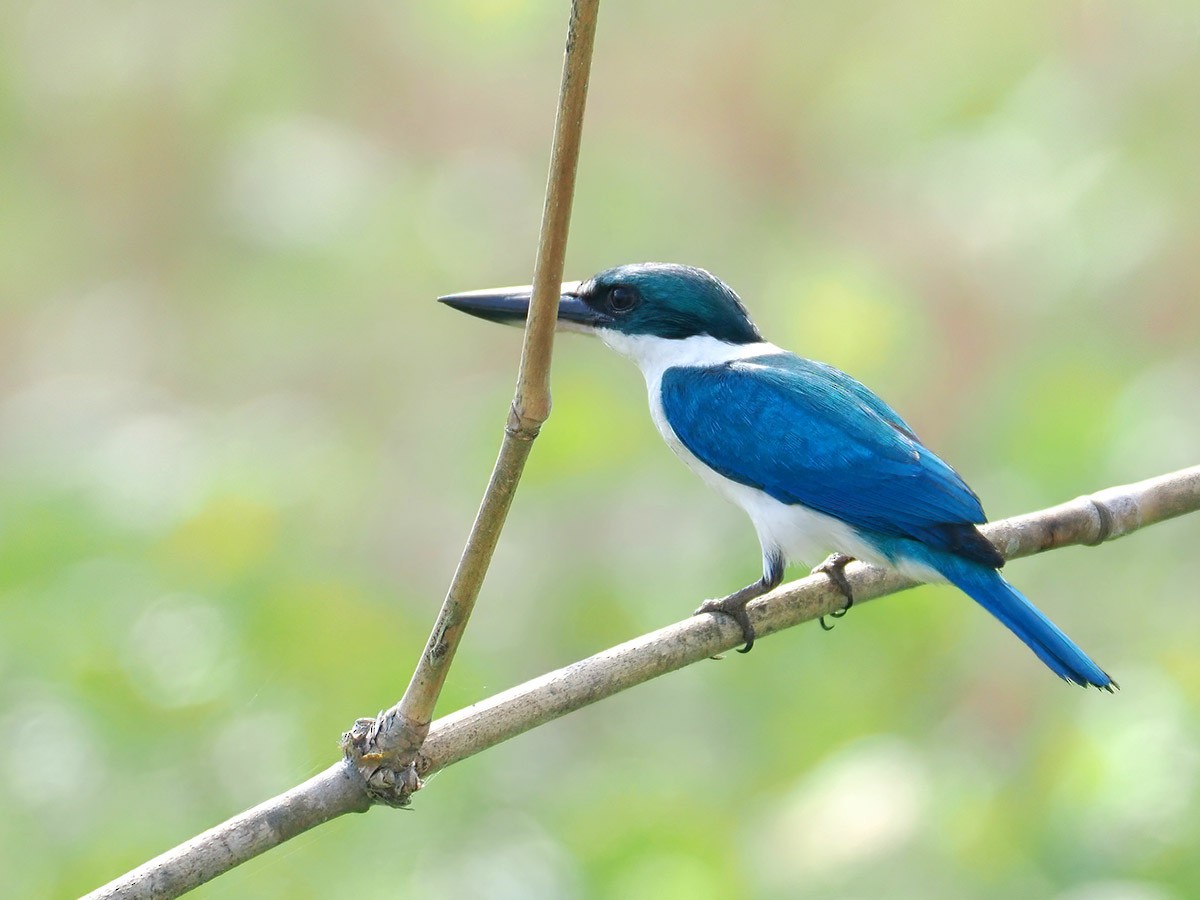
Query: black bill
point(510, 305)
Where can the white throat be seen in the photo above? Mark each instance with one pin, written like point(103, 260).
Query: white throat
point(654, 355)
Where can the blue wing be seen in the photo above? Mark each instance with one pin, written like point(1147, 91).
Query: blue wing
point(809, 434)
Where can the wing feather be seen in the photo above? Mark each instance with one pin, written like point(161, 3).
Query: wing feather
point(809, 434)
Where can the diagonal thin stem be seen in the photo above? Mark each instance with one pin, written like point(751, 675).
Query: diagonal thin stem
point(330, 794)
point(384, 749)
point(531, 406)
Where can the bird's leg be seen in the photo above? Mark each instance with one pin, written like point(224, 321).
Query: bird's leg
point(834, 568)
point(735, 604)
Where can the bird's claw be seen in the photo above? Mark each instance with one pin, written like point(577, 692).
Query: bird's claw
point(733, 606)
point(834, 568)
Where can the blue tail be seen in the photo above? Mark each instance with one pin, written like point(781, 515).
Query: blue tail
point(1026, 621)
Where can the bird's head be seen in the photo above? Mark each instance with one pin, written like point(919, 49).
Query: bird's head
point(653, 300)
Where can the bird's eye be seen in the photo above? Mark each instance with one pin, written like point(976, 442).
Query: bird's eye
point(622, 299)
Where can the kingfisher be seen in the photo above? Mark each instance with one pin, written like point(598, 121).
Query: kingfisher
point(818, 461)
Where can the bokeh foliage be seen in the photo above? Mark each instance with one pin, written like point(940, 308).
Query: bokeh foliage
point(240, 446)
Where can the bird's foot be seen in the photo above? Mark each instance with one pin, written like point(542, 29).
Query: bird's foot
point(734, 606)
point(834, 568)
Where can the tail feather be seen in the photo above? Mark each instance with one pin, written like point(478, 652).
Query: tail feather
point(1026, 621)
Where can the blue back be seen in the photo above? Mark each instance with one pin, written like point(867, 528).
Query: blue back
point(807, 433)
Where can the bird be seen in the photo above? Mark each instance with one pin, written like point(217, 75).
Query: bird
point(819, 462)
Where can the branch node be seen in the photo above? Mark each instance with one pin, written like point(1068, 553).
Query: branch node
point(521, 426)
point(1105, 522)
point(389, 772)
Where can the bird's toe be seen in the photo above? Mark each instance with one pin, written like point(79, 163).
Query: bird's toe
point(734, 607)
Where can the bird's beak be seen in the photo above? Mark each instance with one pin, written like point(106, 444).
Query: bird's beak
point(510, 305)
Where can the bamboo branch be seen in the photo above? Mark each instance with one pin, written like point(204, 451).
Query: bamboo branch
point(336, 791)
point(1089, 520)
point(385, 748)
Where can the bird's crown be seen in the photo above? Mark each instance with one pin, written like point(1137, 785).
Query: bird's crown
point(668, 301)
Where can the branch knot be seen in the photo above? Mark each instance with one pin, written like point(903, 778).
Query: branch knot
point(1105, 522)
point(391, 774)
point(521, 426)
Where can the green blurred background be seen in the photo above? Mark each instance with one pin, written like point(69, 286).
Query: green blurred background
point(241, 446)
